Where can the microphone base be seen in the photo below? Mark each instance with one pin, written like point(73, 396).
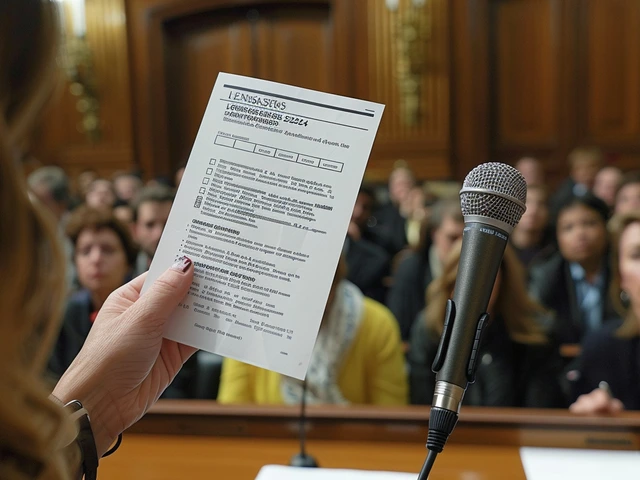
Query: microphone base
point(303, 460)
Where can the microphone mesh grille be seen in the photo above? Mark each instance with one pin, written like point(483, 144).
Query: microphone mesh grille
point(497, 179)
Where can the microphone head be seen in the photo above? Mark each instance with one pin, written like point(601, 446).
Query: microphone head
point(494, 193)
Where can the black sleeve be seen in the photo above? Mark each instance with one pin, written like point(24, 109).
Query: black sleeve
point(422, 351)
point(406, 298)
point(542, 377)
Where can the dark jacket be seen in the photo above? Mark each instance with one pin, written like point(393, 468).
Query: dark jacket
point(368, 265)
point(606, 357)
point(407, 294)
point(509, 374)
point(550, 283)
point(386, 228)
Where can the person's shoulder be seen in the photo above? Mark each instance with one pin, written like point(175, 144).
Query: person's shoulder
point(604, 338)
point(376, 314)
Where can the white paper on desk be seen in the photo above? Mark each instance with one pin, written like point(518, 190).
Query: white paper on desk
point(262, 210)
point(564, 463)
point(277, 472)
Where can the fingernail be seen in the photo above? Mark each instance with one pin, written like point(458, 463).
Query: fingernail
point(182, 265)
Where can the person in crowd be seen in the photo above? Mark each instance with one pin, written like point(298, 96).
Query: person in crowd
point(414, 210)
point(51, 186)
point(83, 180)
point(606, 184)
point(389, 224)
point(151, 211)
point(612, 354)
point(628, 193)
point(584, 163)
point(367, 262)
point(415, 272)
point(37, 434)
point(100, 195)
point(357, 359)
point(531, 169)
point(104, 255)
point(573, 281)
point(518, 366)
point(530, 237)
point(123, 211)
point(126, 186)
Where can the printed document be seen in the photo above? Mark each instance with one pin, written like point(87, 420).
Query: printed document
point(263, 210)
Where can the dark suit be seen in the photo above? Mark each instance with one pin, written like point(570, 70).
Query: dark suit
point(368, 265)
point(509, 374)
point(607, 357)
point(406, 297)
point(552, 285)
point(386, 228)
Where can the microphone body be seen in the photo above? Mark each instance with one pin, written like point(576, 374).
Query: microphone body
point(493, 200)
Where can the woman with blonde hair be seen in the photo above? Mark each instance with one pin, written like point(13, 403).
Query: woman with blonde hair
point(125, 364)
point(519, 366)
point(608, 375)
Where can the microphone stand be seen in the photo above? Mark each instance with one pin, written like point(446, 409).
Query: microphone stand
point(302, 459)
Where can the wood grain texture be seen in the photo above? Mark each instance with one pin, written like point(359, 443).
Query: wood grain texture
point(58, 140)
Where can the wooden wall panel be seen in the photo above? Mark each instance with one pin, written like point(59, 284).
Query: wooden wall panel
point(58, 140)
point(609, 73)
point(525, 84)
point(425, 146)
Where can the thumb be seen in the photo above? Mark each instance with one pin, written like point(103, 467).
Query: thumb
point(163, 296)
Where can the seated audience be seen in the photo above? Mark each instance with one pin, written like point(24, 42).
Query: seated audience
point(126, 186)
point(104, 255)
point(531, 235)
point(150, 214)
point(415, 272)
point(100, 195)
point(612, 354)
point(414, 210)
point(606, 184)
point(124, 213)
point(357, 359)
point(584, 164)
point(367, 262)
point(628, 193)
point(519, 366)
point(531, 169)
point(573, 281)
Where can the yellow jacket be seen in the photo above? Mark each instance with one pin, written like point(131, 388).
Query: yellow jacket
point(373, 371)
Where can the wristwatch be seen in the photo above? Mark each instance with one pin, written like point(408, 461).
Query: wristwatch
point(85, 440)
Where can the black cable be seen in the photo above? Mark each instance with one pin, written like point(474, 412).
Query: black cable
point(428, 465)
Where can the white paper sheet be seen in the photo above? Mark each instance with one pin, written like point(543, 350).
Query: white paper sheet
point(277, 472)
point(263, 210)
point(562, 464)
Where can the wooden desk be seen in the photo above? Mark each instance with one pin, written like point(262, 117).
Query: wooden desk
point(199, 440)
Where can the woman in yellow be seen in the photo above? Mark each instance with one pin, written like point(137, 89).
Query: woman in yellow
point(357, 359)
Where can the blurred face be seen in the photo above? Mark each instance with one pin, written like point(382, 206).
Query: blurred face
point(536, 215)
point(85, 179)
point(584, 171)
point(362, 209)
point(100, 195)
point(582, 234)
point(531, 170)
point(629, 263)
point(445, 236)
point(101, 261)
point(152, 217)
point(45, 197)
point(124, 213)
point(400, 182)
point(414, 203)
point(606, 184)
point(628, 198)
point(127, 187)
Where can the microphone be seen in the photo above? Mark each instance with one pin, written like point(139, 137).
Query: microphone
point(493, 199)
point(302, 458)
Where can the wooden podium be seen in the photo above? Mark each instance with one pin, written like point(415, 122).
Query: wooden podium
point(204, 440)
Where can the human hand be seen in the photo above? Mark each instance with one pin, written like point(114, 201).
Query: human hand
point(125, 364)
point(598, 402)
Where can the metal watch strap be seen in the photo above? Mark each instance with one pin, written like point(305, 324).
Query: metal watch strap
point(85, 440)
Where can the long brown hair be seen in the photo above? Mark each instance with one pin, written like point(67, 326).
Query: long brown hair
point(617, 225)
point(516, 308)
point(31, 263)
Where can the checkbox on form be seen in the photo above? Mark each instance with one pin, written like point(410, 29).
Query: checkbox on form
point(212, 161)
point(205, 181)
point(203, 190)
point(209, 171)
